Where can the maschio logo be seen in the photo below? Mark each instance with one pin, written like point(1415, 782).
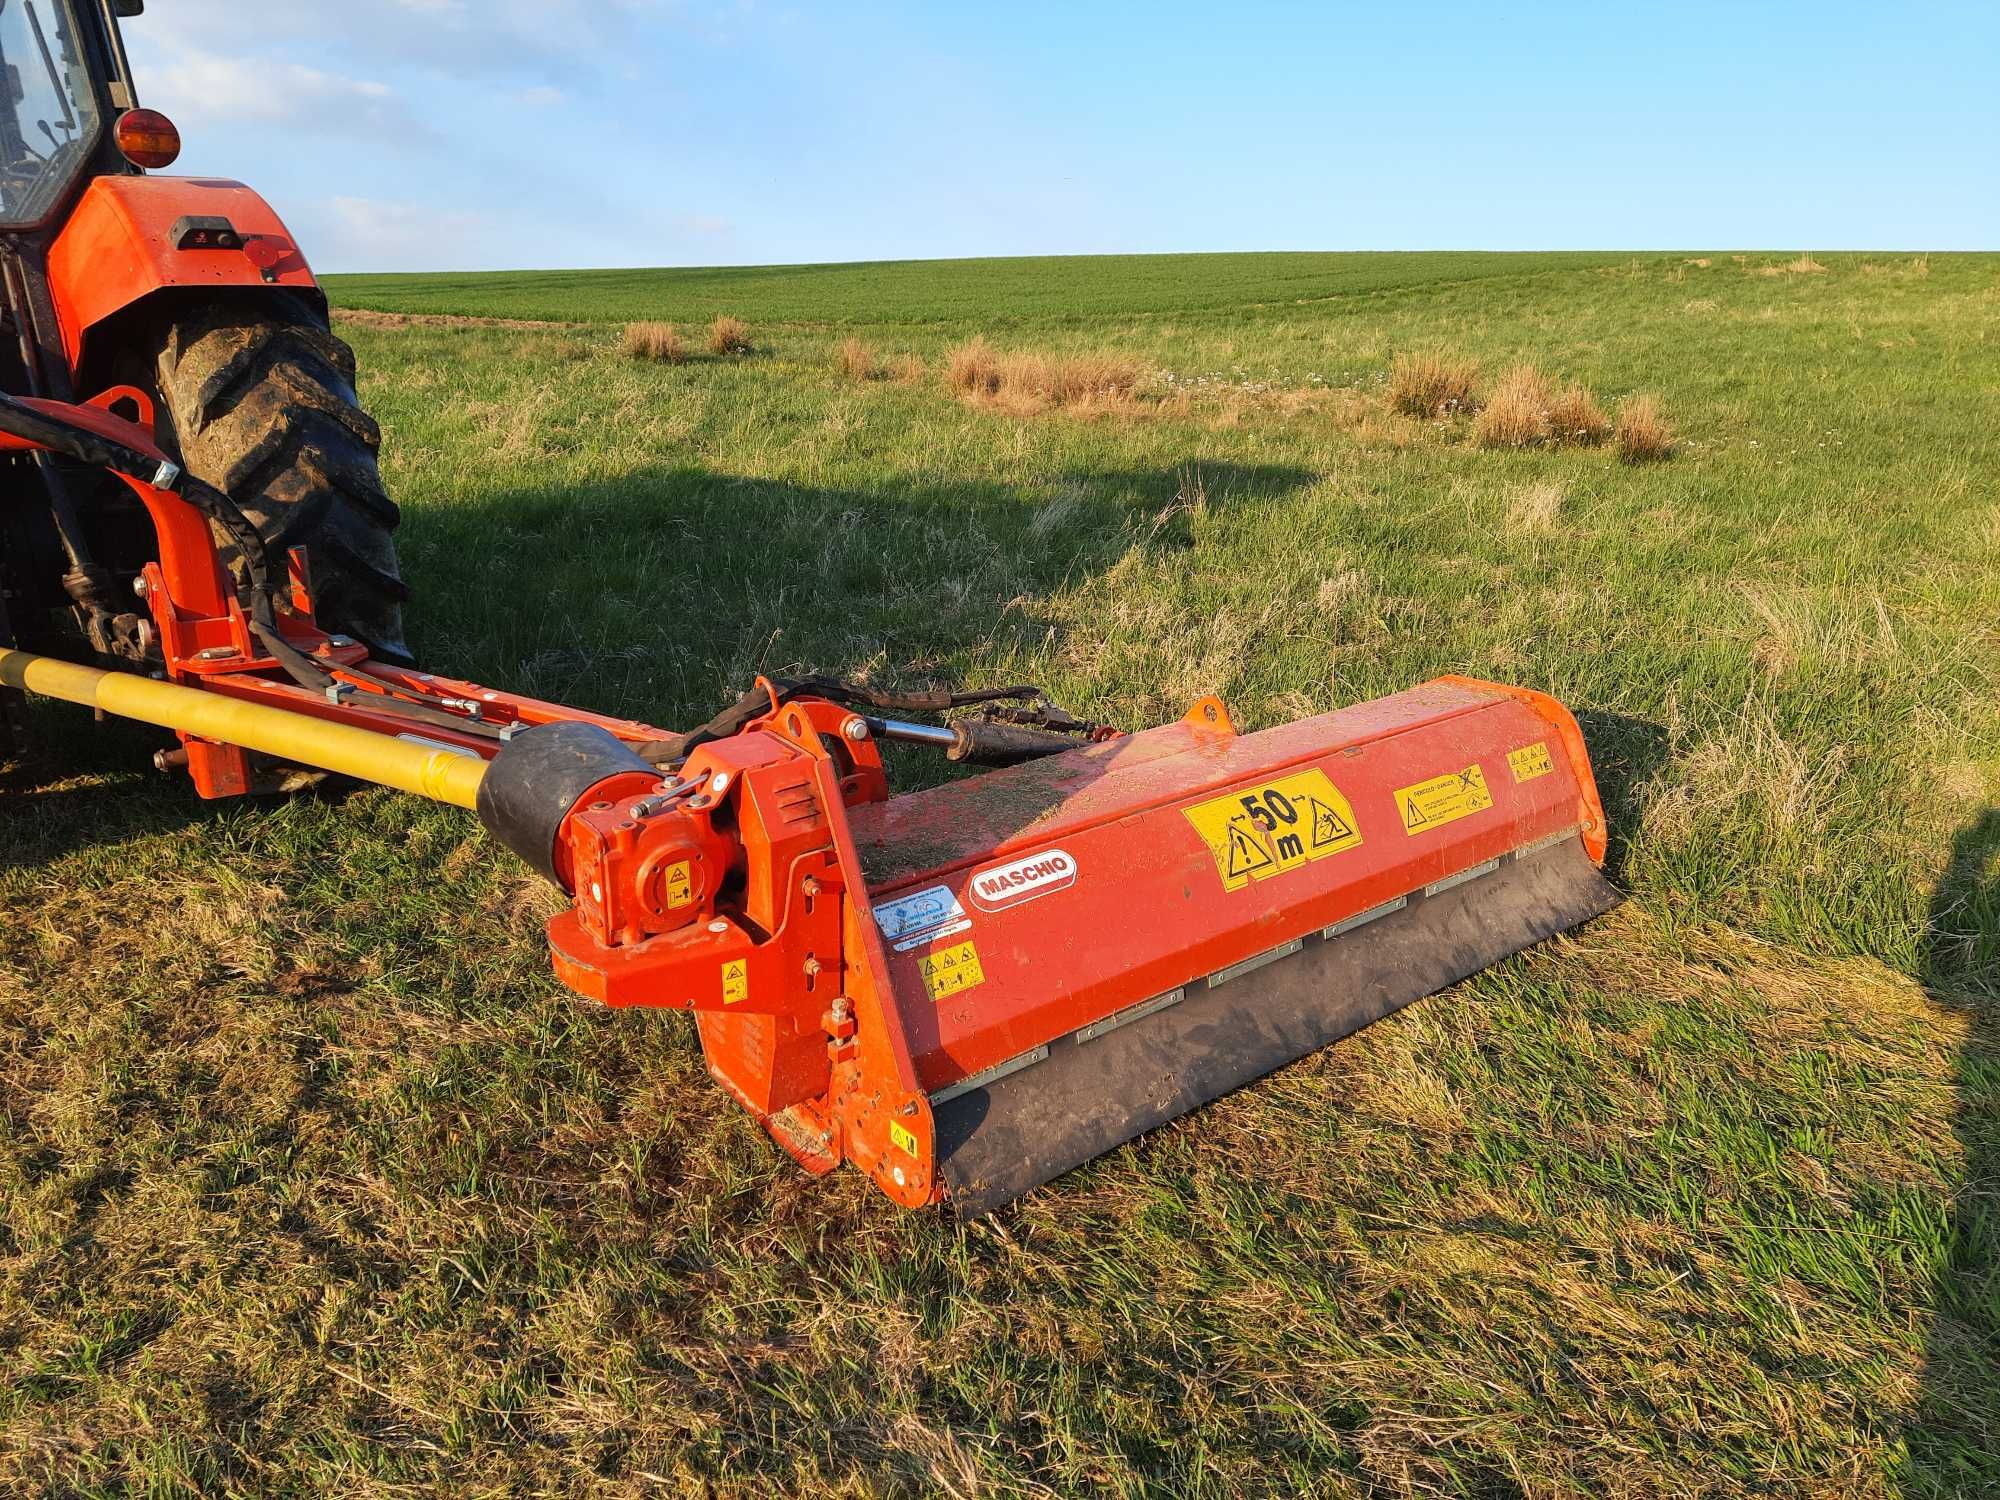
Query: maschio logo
point(1023, 880)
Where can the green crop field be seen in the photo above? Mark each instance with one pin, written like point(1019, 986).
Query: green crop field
point(316, 1180)
point(966, 293)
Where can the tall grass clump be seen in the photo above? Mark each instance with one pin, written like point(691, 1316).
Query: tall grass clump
point(1516, 414)
point(727, 335)
point(1643, 434)
point(1025, 381)
point(660, 341)
point(1576, 418)
point(973, 369)
point(856, 360)
point(1433, 384)
point(1528, 410)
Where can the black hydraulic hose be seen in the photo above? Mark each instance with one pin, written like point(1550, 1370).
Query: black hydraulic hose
point(20, 419)
point(1017, 735)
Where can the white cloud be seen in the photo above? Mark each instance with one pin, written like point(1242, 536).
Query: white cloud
point(372, 234)
point(518, 38)
point(208, 88)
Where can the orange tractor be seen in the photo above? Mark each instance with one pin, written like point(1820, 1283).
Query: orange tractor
point(962, 991)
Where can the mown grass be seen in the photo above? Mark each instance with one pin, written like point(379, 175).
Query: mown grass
point(316, 1179)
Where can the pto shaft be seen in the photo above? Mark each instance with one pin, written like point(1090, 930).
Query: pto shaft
point(422, 769)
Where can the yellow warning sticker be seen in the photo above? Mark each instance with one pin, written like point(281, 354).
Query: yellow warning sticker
point(1443, 799)
point(951, 971)
point(1531, 761)
point(735, 981)
point(903, 1140)
point(1264, 831)
point(679, 883)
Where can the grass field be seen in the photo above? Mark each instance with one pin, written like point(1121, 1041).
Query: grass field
point(317, 1181)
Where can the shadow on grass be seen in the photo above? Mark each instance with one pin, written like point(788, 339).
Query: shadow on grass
point(1625, 754)
point(660, 593)
point(81, 785)
point(1954, 1443)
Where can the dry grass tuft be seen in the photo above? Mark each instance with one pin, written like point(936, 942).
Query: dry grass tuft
point(857, 361)
point(1024, 382)
point(1516, 415)
point(1528, 410)
point(1433, 384)
point(661, 341)
point(1805, 265)
point(1535, 508)
point(727, 335)
point(1643, 433)
point(907, 369)
point(1576, 418)
point(973, 369)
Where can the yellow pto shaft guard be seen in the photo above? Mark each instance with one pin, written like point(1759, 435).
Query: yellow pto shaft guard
point(419, 768)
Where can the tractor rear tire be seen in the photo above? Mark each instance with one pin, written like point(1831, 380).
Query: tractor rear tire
point(258, 399)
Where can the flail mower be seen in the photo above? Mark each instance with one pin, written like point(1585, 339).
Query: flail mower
point(963, 991)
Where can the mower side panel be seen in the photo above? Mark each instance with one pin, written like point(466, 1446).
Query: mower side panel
point(1107, 894)
point(117, 249)
point(1084, 947)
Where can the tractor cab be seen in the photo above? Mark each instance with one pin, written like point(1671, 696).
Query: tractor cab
point(63, 75)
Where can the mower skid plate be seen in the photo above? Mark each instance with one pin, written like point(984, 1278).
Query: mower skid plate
point(1083, 948)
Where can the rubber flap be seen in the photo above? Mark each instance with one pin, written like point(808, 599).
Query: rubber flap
point(1094, 1091)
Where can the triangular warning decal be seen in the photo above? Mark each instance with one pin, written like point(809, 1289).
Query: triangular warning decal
point(1246, 855)
point(1412, 818)
point(1329, 827)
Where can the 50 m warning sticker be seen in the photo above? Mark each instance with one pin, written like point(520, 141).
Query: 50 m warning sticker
point(1264, 831)
point(1443, 799)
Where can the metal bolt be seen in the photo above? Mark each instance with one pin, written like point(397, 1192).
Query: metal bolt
point(855, 727)
point(812, 967)
point(340, 640)
point(140, 588)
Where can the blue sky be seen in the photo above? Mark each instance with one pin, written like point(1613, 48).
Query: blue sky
point(463, 134)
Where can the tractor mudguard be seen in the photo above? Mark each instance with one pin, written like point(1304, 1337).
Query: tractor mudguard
point(131, 237)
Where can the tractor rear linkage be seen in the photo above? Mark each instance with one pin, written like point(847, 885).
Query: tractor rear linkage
point(963, 991)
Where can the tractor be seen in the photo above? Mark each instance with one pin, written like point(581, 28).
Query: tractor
point(190, 299)
point(962, 991)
